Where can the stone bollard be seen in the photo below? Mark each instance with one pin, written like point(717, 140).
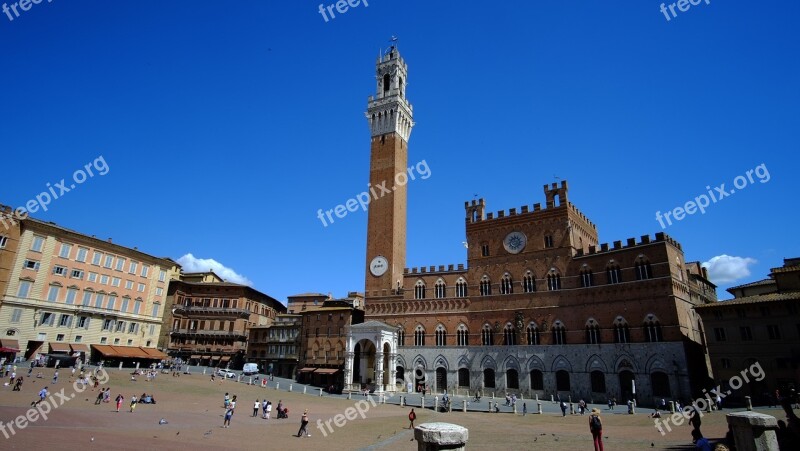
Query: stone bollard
point(204, 371)
point(450, 406)
point(633, 409)
point(749, 403)
point(290, 387)
point(250, 380)
point(435, 403)
point(349, 395)
point(402, 401)
point(438, 436)
point(384, 398)
point(753, 431)
point(515, 408)
point(421, 402)
point(539, 407)
point(672, 407)
point(464, 405)
point(320, 390)
point(490, 406)
point(571, 408)
point(120, 366)
point(277, 384)
point(304, 389)
point(552, 399)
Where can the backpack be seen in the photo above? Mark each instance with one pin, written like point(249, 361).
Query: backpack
point(595, 423)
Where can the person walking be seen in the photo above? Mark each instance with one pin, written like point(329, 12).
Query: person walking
point(524, 409)
point(304, 425)
point(119, 400)
point(264, 408)
point(596, 428)
point(563, 408)
point(255, 408)
point(133, 403)
point(42, 395)
point(55, 377)
point(411, 417)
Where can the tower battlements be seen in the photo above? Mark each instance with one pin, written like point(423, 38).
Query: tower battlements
point(644, 240)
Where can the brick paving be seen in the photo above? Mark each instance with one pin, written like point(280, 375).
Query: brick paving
point(192, 405)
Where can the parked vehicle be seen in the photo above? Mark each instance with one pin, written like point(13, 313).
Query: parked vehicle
point(250, 369)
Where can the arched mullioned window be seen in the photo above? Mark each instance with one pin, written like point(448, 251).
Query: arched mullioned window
point(461, 288)
point(509, 335)
point(528, 283)
point(440, 289)
point(462, 335)
point(441, 336)
point(419, 290)
point(419, 336)
point(506, 284)
point(652, 329)
point(559, 333)
point(622, 333)
point(486, 286)
point(532, 333)
point(643, 269)
point(487, 338)
point(592, 332)
point(587, 277)
point(613, 273)
point(553, 280)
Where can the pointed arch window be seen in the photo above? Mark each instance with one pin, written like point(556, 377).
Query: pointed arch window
point(387, 83)
point(643, 269)
point(441, 336)
point(439, 289)
point(462, 335)
point(528, 283)
point(622, 333)
point(419, 290)
point(553, 280)
point(419, 336)
point(487, 338)
point(592, 332)
point(652, 330)
point(587, 277)
point(461, 288)
point(559, 333)
point(506, 284)
point(613, 273)
point(401, 337)
point(532, 334)
point(509, 335)
point(486, 286)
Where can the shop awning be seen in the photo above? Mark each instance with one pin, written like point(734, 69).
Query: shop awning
point(131, 352)
point(225, 358)
point(9, 344)
point(216, 357)
point(154, 353)
point(195, 356)
point(327, 371)
point(59, 347)
point(106, 350)
point(307, 370)
point(79, 347)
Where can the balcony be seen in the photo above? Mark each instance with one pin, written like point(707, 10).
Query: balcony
point(211, 311)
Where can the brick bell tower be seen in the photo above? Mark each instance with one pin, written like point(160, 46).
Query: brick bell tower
point(390, 121)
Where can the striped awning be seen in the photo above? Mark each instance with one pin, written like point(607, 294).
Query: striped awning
point(12, 345)
point(59, 347)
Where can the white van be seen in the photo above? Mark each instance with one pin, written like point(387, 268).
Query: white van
point(250, 369)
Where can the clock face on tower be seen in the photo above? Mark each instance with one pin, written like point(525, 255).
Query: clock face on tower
point(379, 266)
point(515, 242)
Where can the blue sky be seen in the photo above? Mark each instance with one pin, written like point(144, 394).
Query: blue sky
point(227, 125)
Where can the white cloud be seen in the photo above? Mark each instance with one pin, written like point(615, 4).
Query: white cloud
point(190, 263)
point(724, 269)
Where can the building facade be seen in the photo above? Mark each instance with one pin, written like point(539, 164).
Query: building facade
point(540, 307)
point(65, 293)
point(758, 332)
point(209, 320)
point(276, 348)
